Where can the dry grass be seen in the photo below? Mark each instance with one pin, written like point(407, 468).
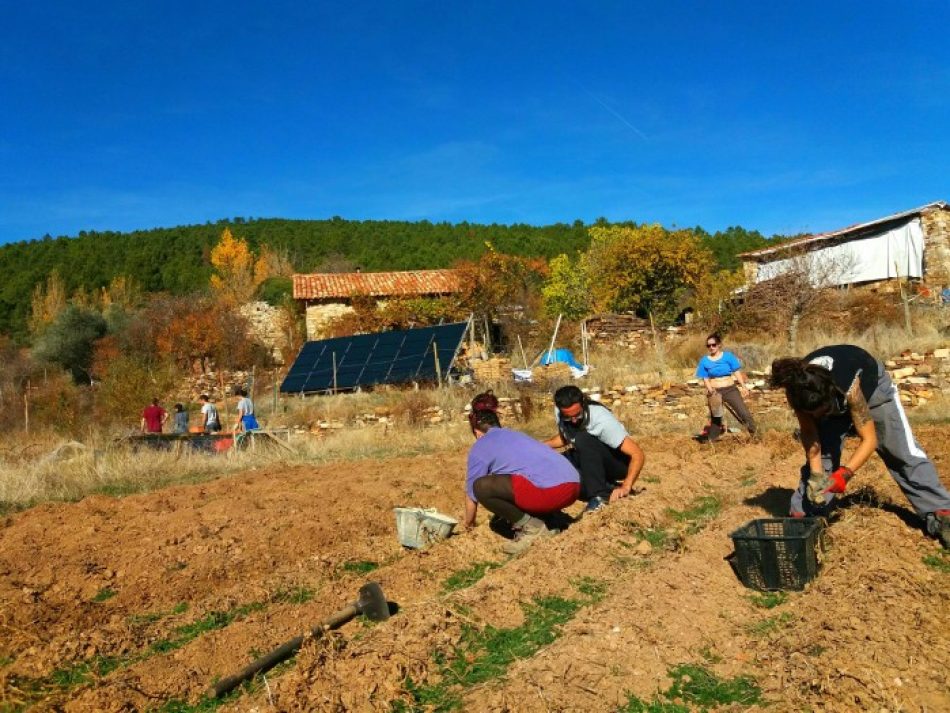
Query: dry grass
point(616, 366)
point(118, 470)
point(883, 341)
point(407, 406)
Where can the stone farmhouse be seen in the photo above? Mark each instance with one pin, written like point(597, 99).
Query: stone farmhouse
point(327, 296)
point(913, 244)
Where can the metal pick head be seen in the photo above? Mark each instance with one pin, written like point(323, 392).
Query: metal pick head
point(372, 602)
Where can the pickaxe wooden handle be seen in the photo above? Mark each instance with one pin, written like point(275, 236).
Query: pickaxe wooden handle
point(371, 602)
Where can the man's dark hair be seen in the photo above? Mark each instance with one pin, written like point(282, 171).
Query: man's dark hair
point(484, 419)
point(568, 396)
point(155, 402)
point(179, 407)
point(204, 397)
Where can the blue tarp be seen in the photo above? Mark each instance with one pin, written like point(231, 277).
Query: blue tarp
point(560, 355)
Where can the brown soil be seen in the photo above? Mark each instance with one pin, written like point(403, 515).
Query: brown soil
point(871, 633)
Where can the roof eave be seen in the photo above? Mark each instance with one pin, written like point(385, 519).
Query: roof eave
point(855, 231)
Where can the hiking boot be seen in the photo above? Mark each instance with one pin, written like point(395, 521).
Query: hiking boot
point(594, 504)
point(527, 536)
point(943, 527)
point(712, 432)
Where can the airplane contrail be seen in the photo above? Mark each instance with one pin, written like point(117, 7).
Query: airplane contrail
point(618, 115)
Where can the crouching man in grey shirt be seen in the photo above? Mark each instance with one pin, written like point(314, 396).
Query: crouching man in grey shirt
point(608, 459)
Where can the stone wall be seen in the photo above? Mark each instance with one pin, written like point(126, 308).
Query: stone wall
point(920, 378)
point(319, 315)
point(268, 325)
point(936, 225)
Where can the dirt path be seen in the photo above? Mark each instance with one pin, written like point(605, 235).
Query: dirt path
point(137, 603)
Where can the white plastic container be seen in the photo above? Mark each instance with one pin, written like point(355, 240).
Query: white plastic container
point(418, 527)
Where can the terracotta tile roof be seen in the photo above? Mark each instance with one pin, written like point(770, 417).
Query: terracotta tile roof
point(849, 233)
point(342, 285)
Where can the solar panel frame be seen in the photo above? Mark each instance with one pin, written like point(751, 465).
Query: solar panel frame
point(395, 357)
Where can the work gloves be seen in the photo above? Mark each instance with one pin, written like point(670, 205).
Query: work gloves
point(820, 484)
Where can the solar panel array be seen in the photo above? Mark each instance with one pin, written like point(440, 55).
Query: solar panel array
point(379, 358)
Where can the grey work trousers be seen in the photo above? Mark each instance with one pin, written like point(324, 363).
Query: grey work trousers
point(730, 396)
point(905, 460)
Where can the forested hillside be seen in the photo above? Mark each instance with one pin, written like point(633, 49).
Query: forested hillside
point(175, 260)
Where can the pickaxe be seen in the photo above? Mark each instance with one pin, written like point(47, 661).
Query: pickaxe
point(371, 603)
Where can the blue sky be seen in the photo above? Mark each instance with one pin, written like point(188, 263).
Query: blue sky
point(801, 117)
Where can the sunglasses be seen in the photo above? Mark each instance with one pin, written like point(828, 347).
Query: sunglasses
point(711, 344)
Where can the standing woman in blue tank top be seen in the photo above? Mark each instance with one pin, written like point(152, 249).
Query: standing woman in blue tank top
point(721, 372)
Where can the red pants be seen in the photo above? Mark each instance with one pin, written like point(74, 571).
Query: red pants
point(533, 499)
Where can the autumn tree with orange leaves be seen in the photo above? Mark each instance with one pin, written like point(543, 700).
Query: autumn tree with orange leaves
point(498, 283)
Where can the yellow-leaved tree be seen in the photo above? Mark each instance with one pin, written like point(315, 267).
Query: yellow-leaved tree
point(567, 289)
point(47, 302)
point(121, 293)
point(233, 280)
point(715, 295)
point(644, 268)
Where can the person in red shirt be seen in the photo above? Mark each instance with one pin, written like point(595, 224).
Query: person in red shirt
point(153, 418)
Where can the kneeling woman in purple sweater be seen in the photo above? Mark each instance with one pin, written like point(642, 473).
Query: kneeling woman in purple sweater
point(517, 478)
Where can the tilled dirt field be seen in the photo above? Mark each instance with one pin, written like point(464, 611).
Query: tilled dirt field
point(140, 603)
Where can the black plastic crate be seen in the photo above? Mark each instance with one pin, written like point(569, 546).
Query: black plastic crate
point(778, 553)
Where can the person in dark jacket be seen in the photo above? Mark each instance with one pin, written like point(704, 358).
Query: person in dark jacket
point(840, 390)
point(181, 420)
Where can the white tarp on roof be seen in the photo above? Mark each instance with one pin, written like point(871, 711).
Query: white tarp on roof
point(896, 253)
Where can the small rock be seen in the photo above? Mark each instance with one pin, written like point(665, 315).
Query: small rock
point(644, 548)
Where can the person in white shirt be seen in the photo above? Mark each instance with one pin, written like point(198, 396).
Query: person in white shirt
point(210, 423)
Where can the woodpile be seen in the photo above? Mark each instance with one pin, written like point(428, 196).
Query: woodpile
point(551, 376)
point(491, 370)
point(607, 325)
